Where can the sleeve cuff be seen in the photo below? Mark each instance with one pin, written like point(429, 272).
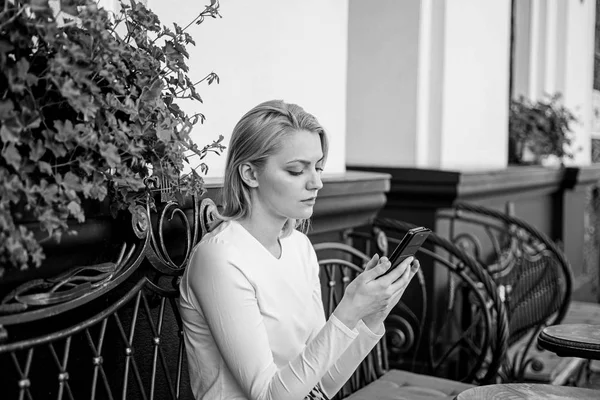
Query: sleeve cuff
point(351, 333)
point(363, 328)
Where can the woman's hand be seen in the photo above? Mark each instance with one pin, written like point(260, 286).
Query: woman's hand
point(372, 295)
point(375, 320)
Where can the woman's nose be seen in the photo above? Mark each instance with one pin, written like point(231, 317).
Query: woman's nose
point(315, 183)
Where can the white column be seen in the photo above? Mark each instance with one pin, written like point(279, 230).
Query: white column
point(579, 72)
point(538, 60)
point(521, 70)
point(551, 46)
point(428, 83)
point(475, 84)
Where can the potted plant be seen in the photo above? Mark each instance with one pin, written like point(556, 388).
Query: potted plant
point(538, 130)
point(89, 113)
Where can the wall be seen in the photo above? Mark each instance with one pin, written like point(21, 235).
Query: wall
point(295, 51)
point(428, 84)
point(383, 44)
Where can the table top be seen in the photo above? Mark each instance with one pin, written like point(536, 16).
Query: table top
point(572, 340)
point(519, 391)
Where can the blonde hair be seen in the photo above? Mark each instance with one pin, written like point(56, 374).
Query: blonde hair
point(256, 137)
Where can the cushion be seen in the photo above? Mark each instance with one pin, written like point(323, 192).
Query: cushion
point(402, 385)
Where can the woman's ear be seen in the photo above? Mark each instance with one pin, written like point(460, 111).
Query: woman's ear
point(248, 174)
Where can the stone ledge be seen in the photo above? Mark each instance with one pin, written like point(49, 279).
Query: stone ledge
point(347, 199)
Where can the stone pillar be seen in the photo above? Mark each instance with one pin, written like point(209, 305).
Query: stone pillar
point(428, 84)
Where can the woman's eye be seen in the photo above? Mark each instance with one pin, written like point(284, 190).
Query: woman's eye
point(295, 173)
point(319, 169)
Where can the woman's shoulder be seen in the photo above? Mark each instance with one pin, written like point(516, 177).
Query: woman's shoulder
point(219, 242)
point(215, 255)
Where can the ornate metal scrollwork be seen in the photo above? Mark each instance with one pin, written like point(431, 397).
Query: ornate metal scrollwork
point(400, 335)
point(96, 309)
point(37, 298)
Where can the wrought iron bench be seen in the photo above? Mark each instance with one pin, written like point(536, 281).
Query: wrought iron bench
point(534, 279)
point(431, 350)
point(110, 330)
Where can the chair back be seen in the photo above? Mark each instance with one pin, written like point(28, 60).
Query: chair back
point(532, 273)
point(109, 330)
point(459, 333)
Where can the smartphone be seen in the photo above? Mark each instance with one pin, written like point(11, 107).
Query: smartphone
point(408, 246)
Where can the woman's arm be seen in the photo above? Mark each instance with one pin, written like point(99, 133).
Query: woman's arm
point(229, 304)
point(344, 367)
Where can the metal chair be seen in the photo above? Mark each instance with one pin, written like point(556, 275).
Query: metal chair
point(430, 346)
point(532, 274)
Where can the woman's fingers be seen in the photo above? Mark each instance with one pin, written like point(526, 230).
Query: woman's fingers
point(395, 274)
point(401, 283)
point(372, 262)
point(376, 271)
point(414, 267)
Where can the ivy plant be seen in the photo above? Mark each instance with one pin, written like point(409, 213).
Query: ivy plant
point(89, 110)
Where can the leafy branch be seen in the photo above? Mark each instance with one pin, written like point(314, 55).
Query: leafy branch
point(88, 115)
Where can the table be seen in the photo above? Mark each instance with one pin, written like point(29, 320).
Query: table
point(519, 391)
point(572, 340)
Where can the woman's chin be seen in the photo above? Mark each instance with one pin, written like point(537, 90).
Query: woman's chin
point(305, 214)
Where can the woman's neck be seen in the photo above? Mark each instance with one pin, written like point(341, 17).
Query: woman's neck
point(264, 229)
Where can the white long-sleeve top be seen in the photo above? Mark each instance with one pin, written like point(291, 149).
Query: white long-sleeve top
point(254, 325)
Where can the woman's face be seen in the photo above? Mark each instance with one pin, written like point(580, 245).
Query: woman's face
point(290, 179)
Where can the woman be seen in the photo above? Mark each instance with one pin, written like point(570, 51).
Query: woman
point(251, 305)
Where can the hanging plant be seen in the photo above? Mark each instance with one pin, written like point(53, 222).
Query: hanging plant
point(88, 110)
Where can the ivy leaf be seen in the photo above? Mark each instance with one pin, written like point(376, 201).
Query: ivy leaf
point(11, 155)
point(174, 57)
point(76, 211)
point(58, 149)
point(87, 166)
point(151, 94)
point(22, 68)
point(110, 153)
point(6, 109)
point(7, 135)
point(71, 181)
point(69, 90)
point(45, 167)
point(37, 150)
point(99, 189)
point(37, 256)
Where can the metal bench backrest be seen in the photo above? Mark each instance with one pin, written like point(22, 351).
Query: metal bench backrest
point(110, 330)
